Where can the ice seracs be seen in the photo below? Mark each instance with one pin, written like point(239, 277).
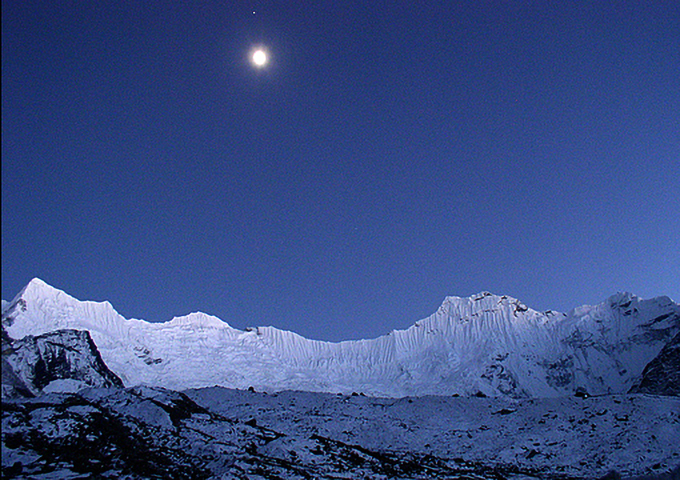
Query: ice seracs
point(484, 343)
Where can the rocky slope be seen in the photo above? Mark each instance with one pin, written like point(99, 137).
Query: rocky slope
point(59, 360)
point(216, 433)
point(662, 375)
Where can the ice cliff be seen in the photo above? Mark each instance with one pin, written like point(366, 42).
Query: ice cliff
point(484, 344)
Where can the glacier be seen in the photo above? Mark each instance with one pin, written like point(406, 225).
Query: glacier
point(485, 345)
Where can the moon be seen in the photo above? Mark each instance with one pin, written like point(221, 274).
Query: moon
point(259, 57)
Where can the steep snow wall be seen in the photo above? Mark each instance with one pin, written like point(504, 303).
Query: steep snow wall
point(484, 343)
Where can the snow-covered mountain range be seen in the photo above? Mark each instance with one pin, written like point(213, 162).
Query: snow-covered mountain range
point(55, 348)
point(485, 344)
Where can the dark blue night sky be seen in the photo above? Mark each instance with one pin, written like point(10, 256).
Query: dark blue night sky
point(390, 154)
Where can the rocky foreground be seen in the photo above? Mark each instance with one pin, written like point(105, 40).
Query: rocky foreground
point(146, 432)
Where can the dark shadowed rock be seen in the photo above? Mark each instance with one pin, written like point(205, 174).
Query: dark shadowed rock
point(32, 363)
point(661, 376)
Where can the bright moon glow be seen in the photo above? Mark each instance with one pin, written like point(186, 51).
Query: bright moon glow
point(259, 58)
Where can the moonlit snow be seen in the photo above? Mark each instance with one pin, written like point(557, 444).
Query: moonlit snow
point(485, 343)
point(485, 388)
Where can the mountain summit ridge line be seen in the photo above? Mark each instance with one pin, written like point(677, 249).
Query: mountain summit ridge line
point(488, 344)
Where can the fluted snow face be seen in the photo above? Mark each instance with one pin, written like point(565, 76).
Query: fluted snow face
point(485, 343)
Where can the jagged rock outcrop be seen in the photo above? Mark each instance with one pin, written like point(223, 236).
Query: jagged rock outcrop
point(60, 360)
point(662, 375)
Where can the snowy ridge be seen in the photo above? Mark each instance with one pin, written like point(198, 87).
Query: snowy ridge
point(484, 343)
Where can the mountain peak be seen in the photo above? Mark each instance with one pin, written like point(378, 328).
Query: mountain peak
point(38, 284)
point(482, 302)
point(486, 343)
point(622, 297)
point(199, 319)
point(38, 288)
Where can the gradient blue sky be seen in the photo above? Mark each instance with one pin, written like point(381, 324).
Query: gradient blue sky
point(392, 153)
